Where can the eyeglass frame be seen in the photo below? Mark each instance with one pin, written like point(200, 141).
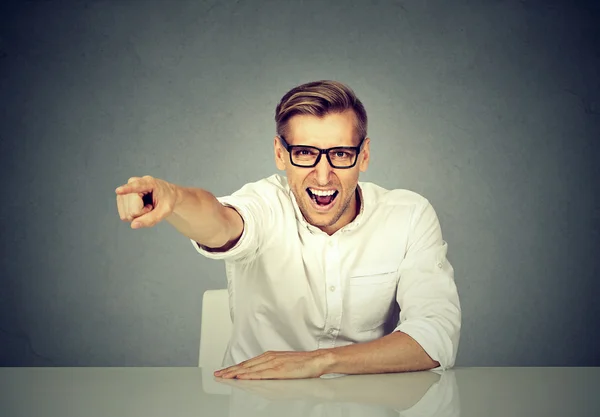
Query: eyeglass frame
point(289, 148)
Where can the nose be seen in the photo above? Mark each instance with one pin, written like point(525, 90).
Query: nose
point(323, 171)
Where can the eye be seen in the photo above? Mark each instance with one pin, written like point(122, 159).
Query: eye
point(301, 152)
point(341, 154)
point(304, 152)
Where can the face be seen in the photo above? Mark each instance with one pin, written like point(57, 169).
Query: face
point(337, 129)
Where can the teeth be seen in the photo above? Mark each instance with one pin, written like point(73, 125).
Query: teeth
point(322, 193)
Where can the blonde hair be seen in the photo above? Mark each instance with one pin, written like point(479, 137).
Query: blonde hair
point(319, 98)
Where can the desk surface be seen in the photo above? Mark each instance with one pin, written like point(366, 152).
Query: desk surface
point(174, 392)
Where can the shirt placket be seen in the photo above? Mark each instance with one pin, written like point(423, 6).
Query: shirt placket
point(333, 294)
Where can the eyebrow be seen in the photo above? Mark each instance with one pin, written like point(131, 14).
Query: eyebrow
point(314, 146)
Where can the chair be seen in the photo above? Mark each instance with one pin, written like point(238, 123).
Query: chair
point(214, 337)
point(216, 328)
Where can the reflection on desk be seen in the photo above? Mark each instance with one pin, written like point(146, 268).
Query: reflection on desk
point(410, 394)
point(182, 392)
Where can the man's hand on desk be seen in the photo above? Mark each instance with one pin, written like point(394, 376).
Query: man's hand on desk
point(396, 352)
point(280, 365)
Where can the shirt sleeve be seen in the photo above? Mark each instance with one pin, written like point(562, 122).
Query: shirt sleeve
point(430, 310)
point(251, 202)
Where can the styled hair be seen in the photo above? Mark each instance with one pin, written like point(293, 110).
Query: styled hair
point(319, 98)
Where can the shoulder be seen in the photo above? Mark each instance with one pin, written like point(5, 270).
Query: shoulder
point(269, 195)
point(401, 207)
point(386, 198)
point(273, 186)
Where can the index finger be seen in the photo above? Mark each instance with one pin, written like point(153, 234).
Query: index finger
point(139, 186)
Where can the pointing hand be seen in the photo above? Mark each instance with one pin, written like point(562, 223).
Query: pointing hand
point(145, 201)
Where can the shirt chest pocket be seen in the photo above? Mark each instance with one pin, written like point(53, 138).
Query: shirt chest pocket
point(371, 295)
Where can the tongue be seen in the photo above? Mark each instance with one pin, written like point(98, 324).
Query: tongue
point(324, 200)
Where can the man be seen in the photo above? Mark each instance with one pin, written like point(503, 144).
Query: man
point(316, 261)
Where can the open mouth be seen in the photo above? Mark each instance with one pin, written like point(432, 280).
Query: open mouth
point(322, 199)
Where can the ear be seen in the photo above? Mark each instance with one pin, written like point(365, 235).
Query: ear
point(279, 154)
point(365, 156)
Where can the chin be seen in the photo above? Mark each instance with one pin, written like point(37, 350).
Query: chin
point(319, 219)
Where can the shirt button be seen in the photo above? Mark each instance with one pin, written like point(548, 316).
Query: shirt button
point(439, 264)
point(332, 288)
point(331, 243)
point(330, 331)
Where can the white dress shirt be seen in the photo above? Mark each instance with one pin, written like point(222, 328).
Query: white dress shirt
point(292, 287)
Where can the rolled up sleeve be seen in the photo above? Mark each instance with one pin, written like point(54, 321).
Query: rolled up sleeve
point(257, 215)
point(430, 309)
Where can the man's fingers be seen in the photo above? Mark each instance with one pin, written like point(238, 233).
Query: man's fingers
point(150, 218)
point(253, 369)
point(120, 208)
point(271, 373)
point(133, 207)
point(137, 186)
point(265, 357)
point(267, 360)
point(147, 209)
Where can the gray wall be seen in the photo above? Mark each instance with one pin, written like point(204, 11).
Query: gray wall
point(488, 108)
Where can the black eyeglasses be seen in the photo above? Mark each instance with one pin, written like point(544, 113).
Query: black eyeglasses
point(340, 157)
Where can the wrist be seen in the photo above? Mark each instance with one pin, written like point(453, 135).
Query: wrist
point(179, 193)
point(329, 360)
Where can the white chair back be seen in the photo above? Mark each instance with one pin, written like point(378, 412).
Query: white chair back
point(214, 338)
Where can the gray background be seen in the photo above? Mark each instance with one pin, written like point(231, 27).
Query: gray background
point(488, 108)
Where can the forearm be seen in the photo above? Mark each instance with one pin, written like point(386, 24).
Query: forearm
point(396, 352)
point(198, 215)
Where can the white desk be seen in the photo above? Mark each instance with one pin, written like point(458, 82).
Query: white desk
point(174, 392)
